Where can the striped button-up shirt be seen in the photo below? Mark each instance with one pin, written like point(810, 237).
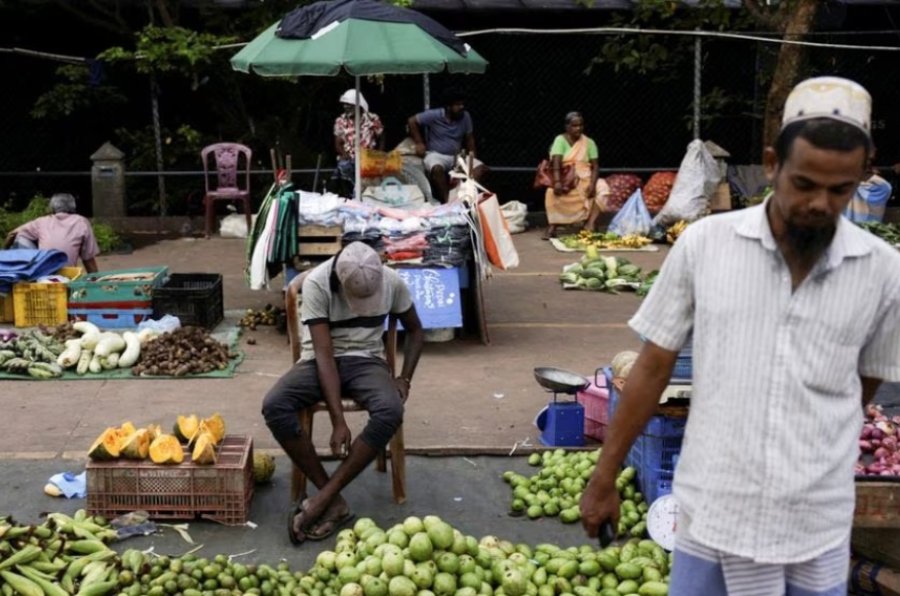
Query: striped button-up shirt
point(766, 469)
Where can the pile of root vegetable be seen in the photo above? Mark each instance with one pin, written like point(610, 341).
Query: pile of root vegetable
point(418, 557)
point(185, 351)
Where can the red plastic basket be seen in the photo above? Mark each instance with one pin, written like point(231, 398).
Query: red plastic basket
point(221, 492)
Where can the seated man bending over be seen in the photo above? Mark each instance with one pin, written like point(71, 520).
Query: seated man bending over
point(345, 303)
point(446, 129)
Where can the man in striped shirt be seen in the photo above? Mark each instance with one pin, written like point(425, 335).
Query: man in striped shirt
point(795, 319)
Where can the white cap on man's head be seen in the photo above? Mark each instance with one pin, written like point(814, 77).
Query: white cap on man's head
point(349, 97)
point(829, 97)
point(361, 274)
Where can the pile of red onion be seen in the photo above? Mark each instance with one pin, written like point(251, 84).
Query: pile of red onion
point(878, 444)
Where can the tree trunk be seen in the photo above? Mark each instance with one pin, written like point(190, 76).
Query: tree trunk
point(790, 58)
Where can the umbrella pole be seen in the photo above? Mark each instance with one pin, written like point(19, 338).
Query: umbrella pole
point(358, 160)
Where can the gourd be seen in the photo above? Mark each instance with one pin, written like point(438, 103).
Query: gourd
point(165, 449)
point(204, 452)
point(132, 350)
point(107, 445)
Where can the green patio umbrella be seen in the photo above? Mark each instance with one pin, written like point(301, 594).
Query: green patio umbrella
point(359, 47)
point(360, 37)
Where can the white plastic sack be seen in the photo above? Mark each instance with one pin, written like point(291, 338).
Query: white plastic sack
point(233, 226)
point(633, 217)
point(698, 177)
point(165, 324)
point(515, 213)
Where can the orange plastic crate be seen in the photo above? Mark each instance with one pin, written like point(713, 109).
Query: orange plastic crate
point(220, 492)
point(43, 303)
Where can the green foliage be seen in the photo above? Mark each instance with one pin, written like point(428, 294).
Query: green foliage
point(660, 55)
point(181, 150)
point(168, 49)
point(10, 220)
point(74, 93)
point(107, 238)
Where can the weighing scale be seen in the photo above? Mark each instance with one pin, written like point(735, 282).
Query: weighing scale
point(662, 521)
point(561, 422)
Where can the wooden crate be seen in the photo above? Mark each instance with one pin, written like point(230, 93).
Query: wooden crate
point(881, 545)
point(877, 505)
point(319, 240)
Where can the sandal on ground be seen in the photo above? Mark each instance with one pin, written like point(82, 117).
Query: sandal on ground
point(327, 526)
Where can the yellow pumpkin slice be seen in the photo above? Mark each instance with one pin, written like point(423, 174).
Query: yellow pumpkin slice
point(127, 428)
point(215, 425)
point(186, 427)
point(166, 449)
point(107, 445)
point(137, 446)
point(204, 452)
point(154, 431)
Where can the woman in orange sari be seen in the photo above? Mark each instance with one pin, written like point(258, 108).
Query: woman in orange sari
point(581, 202)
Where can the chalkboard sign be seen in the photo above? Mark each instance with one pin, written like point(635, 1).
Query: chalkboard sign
point(436, 295)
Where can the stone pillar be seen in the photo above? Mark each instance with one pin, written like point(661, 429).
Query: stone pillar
point(108, 182)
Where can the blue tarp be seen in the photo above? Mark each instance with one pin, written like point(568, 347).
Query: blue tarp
point(24, 264)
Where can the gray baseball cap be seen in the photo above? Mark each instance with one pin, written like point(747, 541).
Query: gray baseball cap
point(361, 274)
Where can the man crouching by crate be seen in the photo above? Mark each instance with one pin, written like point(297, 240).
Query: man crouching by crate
point(793, 332)
point(345, 303)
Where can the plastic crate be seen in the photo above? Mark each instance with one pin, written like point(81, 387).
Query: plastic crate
point(684, 362)
point(43, 303)
point(221, 492)
point(655, 452)
point(595, 400)
point(111, 318)
point(7, 309)
point(195, 298)
point(120, 288)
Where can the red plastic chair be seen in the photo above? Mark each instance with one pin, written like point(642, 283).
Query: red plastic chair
point(226, 158)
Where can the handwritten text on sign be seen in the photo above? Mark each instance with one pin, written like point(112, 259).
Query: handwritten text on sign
point(435, 293)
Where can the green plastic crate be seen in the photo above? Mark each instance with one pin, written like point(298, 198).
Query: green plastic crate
point(121, 288)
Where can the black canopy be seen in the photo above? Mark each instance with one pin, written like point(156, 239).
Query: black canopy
point(303, 22)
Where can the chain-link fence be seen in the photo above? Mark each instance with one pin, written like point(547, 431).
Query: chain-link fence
point(641, 122)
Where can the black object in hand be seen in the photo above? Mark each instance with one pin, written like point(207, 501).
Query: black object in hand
point(606, 535)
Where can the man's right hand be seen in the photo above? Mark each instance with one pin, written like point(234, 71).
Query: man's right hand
point(599, 503)
point(420, 149)
point(340, 439)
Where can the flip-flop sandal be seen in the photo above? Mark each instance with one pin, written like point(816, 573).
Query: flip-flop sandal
point(332, 525)
point(295, 510)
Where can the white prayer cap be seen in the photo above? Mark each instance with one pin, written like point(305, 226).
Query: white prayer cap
point(349, 97)
point(829, 97)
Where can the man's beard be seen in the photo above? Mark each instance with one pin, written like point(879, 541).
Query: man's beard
point(809, 241)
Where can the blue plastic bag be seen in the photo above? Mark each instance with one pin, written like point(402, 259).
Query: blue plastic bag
point(633, 217)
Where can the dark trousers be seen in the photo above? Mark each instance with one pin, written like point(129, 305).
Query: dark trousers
point(367, 381)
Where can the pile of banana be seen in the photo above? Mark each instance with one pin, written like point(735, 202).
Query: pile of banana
point(676, 230)
point(608, 240)
point(267, 316)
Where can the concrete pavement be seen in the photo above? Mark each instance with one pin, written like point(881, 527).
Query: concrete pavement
point(466, 396)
